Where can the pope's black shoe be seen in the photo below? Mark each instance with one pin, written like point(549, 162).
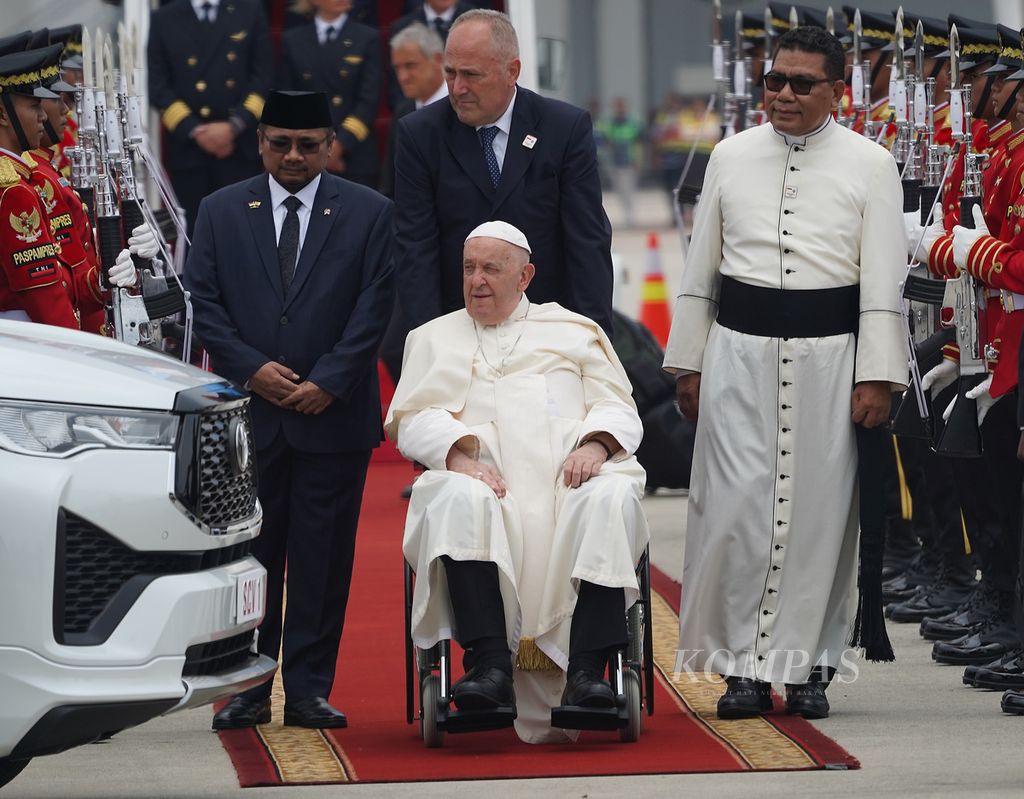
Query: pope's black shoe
point(585, 688)
point(483, 688)
point(807, 700)
point(242, 712)
point(1013, 702)
point(744, 698)
point(313, 712)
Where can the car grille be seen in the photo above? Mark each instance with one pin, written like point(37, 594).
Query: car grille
point(216, 471)
point(98, 579)
point(214, 657)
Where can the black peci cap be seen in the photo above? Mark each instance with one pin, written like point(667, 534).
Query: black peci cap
point(297, 110)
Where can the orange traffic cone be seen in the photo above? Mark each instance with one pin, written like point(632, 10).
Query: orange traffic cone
point(654, 313)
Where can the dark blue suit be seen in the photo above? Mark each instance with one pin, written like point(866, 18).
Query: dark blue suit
point(551, 191)
point(327, 328)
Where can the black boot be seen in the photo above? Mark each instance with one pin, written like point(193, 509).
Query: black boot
point(1007, 674)
point(949, 590)
point(971, 614)
point(1013, 702)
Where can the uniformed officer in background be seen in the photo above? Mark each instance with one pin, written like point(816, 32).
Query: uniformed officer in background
point(210, 65)
point(338, 56)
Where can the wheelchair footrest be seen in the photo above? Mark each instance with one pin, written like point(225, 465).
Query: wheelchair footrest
point(478, 720)
point(574, 717)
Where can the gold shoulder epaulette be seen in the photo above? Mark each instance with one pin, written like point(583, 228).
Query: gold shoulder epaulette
point(8, 174)
point(28, 159)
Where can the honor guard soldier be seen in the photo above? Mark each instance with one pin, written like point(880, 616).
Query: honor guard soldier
point(210, 64)
point(35, 284)
point(334, 54)
point(876, 33)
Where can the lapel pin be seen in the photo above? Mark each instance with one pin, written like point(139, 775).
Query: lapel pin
point(255, 204)
point(529, 141)
point(327, 211)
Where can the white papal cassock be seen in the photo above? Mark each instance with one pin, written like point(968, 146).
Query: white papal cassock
point(520, 396)
point(769, 573)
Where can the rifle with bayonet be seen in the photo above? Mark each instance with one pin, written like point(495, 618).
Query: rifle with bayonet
point(860, 86)
point(964, 304)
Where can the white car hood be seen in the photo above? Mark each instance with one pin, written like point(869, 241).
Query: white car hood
point(54, 364)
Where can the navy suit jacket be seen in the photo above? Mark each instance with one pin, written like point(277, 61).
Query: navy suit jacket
point(328, 326)
point(550, 190)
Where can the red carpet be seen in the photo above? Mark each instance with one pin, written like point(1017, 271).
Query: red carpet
point(379, 746)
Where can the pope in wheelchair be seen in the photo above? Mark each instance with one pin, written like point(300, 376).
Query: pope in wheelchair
point(525, 530)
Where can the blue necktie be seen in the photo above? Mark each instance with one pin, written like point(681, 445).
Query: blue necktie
point(487, 142)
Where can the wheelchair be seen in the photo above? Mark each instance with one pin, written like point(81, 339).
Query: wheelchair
point(630, 672)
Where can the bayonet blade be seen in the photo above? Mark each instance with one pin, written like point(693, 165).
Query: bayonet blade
point(738, 33)
point(954, 58)
point(919, 50)
point(830, 21)
point(108, 74)
point(716, 22)
point(794, 17)
point(769, 35)
point(858, 32)
point(899, 53)
point(87, 64)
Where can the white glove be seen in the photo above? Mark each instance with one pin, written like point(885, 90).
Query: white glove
point(123, 273)
point(965, 238)
point(912, 224)
point(941, 376)
point(981, 394)
point(143, 242)
point(932, 233)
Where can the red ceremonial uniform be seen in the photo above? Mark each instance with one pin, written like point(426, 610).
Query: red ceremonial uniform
point(70, 227)
point(33, 278)
point(998, 261)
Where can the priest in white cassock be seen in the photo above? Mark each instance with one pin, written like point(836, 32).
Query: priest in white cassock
point(786, 336)
point(526, 528)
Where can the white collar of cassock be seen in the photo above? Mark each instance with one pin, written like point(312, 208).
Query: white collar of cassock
point(516, 316)
point(802, 140)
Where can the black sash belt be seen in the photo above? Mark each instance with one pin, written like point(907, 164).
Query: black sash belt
point(781, 313)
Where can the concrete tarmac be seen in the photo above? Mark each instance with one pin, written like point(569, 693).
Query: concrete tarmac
point(917, 731)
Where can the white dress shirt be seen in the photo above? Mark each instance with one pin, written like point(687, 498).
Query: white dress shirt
point(504, 126)
point(448, 16)
point(322, 26)
point(307, 194)
point(442, 92)
point(197, 6)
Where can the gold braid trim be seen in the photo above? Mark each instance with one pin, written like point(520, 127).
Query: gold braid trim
point(176, 113)
point(356, 127)
point(254, 105)
point(906, 499)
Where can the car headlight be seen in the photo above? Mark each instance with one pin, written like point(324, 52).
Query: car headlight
point(60, 431)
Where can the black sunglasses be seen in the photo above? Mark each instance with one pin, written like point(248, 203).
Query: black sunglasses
point(284, 144)
point(776, 81)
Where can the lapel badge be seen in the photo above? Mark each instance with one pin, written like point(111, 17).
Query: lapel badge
point(327, 211)
point(529, 141)
point(254, 204)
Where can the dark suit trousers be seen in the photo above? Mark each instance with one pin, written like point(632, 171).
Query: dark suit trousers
point(311, 507)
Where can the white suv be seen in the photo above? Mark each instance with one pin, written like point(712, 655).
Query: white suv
point(128, 511)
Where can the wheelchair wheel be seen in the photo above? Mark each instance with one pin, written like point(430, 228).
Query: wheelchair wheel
point(634, 707)
point(430, 695)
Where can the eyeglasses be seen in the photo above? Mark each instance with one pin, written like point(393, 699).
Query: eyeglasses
point(284, 144)
point(776, 81)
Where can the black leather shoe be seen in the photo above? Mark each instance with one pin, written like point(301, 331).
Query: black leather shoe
point(1006, 675)
point(971, 672)
point(313, 712)
point(744, 698)
point(242, 712)
point(1013, 702)
point(807, 700)
point(949, 590)
point(584, 688)
point(981, 605)
point(483, 688)
point(990, 642)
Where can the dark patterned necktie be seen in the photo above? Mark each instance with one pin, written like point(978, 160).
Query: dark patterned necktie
point(442, 28)
point(487, 142)
point(288, 244)
point(330, 34)
point(207, 13)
